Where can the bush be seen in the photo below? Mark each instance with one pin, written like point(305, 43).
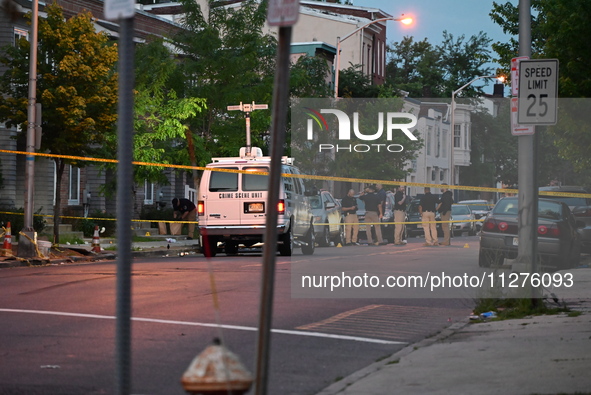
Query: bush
point(150, 213)
point(16, 217)
point(86, 225)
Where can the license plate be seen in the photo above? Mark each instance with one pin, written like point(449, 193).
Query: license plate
point(256, 207)
point(515, 241)
point(419, 226)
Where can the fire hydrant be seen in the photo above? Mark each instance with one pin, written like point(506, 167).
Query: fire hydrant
point(216, 371)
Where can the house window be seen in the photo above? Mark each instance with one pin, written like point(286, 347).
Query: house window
point(444, 144)
point(442, 175)
point(457, 136)
point(437, 142)
point(20, 33)
point(433, 175)
point(429, 130)
point(74, 186)
point(148, 192)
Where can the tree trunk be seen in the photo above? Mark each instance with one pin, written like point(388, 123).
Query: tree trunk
point(59, 165)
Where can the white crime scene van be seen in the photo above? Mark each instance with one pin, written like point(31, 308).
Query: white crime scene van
point(232, 205)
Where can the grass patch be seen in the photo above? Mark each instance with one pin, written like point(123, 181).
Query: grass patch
point(143, 239)
point(393, 362)
point(517, 308)
point(71, 240)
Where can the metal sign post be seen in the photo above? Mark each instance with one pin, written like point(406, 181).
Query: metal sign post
point(278, 122)
point(124, 11)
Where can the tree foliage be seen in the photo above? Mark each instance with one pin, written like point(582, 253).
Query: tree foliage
point(427, 71)
point(160, 116)
point(560, 30)
point(309, 77)
point(226, 59)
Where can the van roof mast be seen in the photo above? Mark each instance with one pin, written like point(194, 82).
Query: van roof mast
point(247, 109)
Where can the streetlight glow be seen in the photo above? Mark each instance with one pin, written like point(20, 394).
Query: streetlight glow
point(403, 19)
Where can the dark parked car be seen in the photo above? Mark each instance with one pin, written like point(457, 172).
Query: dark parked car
point(328, 219)
point(580, 207)
point(416, 229)
point(559, 243)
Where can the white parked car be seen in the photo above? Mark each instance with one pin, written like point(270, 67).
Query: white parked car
point(464, 219)
point(480, 208)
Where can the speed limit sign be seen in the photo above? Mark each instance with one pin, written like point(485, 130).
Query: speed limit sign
point(538, 92)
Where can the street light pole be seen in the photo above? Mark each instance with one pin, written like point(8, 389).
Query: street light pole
point(405, 20)
point(452, 125)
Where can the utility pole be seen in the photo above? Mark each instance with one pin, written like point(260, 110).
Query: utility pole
point(26, 248)
point(527, 171)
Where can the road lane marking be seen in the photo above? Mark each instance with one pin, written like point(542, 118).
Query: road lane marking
point(206, 325)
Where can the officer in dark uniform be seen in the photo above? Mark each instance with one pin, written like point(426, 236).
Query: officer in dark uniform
point(427, 207)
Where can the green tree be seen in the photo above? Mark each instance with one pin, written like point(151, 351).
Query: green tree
point(226, 59)
point(309, 77)
point(76, 85)
point(427, 71)
point(353, 83)
point(560, 30)
point(414, 67)
point(160, 116)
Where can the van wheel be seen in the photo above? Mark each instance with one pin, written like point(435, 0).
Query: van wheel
point(209, 247)
point(286, 248)
point(231, 248)
point(310, 246)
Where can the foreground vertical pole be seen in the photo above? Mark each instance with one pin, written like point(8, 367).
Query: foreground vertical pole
point(278, 123)
point(124, 207)
point(527, 169)
point(26, 248)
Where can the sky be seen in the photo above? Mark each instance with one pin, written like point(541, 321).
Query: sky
point(432, 17)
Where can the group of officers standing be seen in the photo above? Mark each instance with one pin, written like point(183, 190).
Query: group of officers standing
point(375, 198)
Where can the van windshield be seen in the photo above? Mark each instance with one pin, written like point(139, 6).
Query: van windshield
point(255, 182)
point(223, 181)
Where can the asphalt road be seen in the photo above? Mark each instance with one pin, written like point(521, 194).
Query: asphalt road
point(58, 329)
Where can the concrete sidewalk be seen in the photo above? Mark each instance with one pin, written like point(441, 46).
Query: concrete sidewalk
point(548, 354)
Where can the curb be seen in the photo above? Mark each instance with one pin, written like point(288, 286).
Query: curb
point(342, 384)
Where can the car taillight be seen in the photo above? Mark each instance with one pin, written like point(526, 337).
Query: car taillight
point(489, 225)
point(492, 225)
point(281, 207)
point(200, 207)
point(549, 231)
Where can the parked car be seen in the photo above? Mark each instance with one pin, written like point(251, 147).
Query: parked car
point(465, 217)
point(580, 207)
point(480, 208)
point(416, 229)
point(328, 219)
point(559, 242)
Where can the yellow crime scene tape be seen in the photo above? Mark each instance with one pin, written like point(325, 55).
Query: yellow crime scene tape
point(303, 176)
